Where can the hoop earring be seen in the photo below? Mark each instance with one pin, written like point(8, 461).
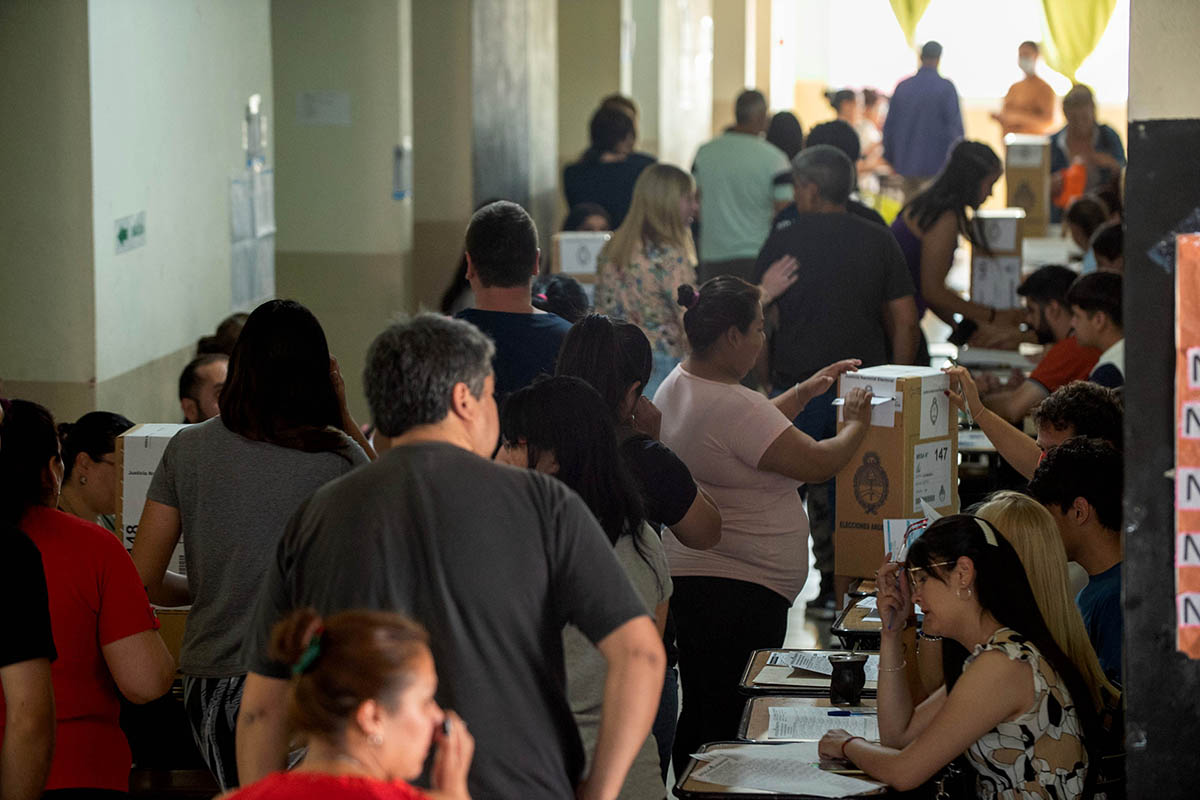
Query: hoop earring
point(377, 739)
point(83, 480)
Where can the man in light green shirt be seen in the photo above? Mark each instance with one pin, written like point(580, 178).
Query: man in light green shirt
point(735, 173)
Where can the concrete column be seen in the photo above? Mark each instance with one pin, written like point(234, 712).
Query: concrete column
point(514, 89)
point(1162, 687)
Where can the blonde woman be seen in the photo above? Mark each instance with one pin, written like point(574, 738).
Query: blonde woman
point(648, 257)
point(651, 255)
point(1032, 532)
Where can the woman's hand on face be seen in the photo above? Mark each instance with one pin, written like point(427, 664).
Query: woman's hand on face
point(964, 394)
point(778, 278)
point(452, 761)
point(858, 406)
point(646, 418)
point(832, 744)
point(892, 596)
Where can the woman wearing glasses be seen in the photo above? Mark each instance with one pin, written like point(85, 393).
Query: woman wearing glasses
point(1009, 699)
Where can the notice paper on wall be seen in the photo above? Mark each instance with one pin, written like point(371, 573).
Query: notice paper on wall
point(1187, 446)
point(931, 474)
point(813, 722)
point(786, 768)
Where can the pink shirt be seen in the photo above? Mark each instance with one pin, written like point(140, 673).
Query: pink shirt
point(721, 431)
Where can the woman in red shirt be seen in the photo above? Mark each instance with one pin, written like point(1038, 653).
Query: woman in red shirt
point(362, 694)
point(105, 631)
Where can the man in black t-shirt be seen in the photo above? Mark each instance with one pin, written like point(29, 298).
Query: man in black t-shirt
point(492, 560)
point(26, 650)
point(853, 299)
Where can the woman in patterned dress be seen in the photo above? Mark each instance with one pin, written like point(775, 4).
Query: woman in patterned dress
point(1009, 699)
point(649, 256)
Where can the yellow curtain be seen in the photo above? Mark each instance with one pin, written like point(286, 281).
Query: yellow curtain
point(1075, 28)
point(908, 14)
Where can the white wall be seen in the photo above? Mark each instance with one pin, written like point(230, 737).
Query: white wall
point(169, 84)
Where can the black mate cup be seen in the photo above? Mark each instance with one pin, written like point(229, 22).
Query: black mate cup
point(849, 676)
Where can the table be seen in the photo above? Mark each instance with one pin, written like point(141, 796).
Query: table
point(757, 716)
point(688, 788)
point(854, 630)
point(862, 587)
point(805, 684)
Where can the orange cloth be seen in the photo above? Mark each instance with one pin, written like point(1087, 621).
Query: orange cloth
point(1066, 361)
point(1028, 107)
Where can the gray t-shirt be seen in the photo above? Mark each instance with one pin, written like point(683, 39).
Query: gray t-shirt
point(493, 561)
point(234, 497)
point(646, 565)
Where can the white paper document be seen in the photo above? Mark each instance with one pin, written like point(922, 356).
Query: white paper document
point(777, 768)
point(817, 661)
point(813, 722)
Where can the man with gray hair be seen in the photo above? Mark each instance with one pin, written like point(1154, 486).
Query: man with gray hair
point(492, 560)
point(853, 299)
point(735, 174)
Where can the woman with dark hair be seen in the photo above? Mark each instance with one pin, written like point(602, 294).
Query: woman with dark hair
point(608, 169)
point(786, 133)
point(1083, 217)
point(614, 357)
point(928, 228)
point(229, 486)
point(105, 632)
point(89, 483)
point(562, 295)
point(745, 452)
point(587, 217)
point(362, 695)
point(844, 103)
point(560, 426)
point(1013, 701)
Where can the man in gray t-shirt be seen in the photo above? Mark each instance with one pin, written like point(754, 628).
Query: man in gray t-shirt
point(494, 561)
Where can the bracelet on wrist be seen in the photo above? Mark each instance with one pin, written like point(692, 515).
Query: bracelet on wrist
point(901, 666)
point(848, 741)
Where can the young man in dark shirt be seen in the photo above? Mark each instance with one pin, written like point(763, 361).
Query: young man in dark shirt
point(1079, 482)
point(502, 261)
point(853, 298)
point(492, 560)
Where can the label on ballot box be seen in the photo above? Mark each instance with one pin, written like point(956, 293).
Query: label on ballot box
point(577, 253)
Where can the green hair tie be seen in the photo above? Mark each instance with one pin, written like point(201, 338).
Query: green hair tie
point(309, 656)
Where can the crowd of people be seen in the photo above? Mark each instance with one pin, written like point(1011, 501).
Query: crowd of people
point(570, 511)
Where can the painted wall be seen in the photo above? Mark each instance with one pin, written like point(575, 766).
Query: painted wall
point(1163, 32)
point(169, 83)
point(442, 187)
point(47, 307)
point(344, 244)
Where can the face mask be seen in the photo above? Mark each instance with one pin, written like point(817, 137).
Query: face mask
point(1026, 65)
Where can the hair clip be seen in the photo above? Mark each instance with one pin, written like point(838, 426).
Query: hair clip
point(695, 300)
point(988, 534)
point(541, 296)
point(310, 654)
